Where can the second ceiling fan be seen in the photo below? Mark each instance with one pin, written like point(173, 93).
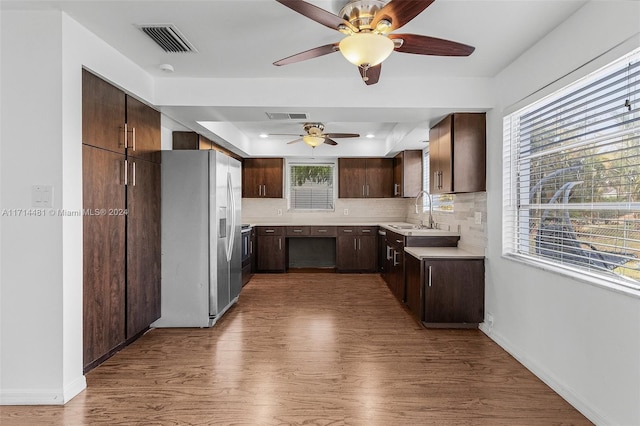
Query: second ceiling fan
point(314, 135)
point(367, 25)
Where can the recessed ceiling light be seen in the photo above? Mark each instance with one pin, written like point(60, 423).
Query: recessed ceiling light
point(370, 135)
point(263, 135)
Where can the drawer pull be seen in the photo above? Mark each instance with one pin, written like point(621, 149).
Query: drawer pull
point(297, 230)
point(270, 231)
point(400, 241)
point(366, 230)
point(321, 230)
point(347, 230)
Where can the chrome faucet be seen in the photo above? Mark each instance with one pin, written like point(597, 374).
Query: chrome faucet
point(430, 225)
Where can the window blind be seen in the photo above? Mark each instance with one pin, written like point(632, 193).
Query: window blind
point(571, 176)
point(311, 186)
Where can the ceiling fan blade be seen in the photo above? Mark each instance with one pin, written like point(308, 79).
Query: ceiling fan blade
point(294, 141)
point(308, 54)
point(341, 135)
point(372, 74)
point(329, 141)
point(317, 14)
point(425, 45)
point(400, 12)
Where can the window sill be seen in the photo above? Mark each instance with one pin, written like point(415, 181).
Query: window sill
point(578, 275)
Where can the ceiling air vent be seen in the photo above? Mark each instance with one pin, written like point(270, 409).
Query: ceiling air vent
point(168, 37)
point(288, 116)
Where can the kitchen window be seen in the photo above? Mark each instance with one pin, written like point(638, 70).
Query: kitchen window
point(571, 177)
point(311, 186)
point(441, 202)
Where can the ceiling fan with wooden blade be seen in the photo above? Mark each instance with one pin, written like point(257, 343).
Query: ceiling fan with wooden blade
point(367, 25)
point(315, 136)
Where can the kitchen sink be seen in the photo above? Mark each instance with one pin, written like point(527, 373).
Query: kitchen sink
point(408, 227)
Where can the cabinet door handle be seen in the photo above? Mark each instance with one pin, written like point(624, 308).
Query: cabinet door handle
point(359, 244)
point(355, 247)
point(395, 189)
point(367, 190)
point(126, 172)
point(133, 136)
point(279, 243)
point(126, 137)
point(400, 241)
point(250, 247)
point(395, 258)
point(429, 275)
point(133, 173)
point(264, 190)
point(388, 253)
point(363, 194)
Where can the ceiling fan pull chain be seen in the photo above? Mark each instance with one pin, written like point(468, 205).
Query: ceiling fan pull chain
point(364, 67)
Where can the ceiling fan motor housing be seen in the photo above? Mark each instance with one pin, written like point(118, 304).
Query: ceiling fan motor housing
point(313, 128)
point(360, 13)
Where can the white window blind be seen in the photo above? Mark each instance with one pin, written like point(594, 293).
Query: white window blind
point(571, 187)
point(311, 186)
point(441, 202)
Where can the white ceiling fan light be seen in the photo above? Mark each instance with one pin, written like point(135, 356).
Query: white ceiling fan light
point(366, 49)
point(312, 140)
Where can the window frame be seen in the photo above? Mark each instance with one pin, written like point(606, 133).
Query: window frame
point(331, 162)
point(516, 184)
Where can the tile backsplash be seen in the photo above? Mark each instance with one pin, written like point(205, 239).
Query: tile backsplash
point(473, 236)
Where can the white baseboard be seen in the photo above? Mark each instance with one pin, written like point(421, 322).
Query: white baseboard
point(565, 392)
point(43, 396)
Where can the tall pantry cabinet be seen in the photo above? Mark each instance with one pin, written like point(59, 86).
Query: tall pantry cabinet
point(121, 235)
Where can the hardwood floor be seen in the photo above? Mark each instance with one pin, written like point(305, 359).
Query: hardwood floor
point(320, 349)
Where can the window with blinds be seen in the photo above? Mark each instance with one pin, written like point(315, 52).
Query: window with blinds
point(441, 202)
point(311, 186)
point(572, 176)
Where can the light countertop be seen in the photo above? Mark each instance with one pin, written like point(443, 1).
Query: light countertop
point(442, 253)
point(402, 228)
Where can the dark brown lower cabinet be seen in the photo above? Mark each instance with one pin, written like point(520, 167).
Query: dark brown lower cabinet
point(357, 249)
point(103, 252)
point(446, 292)
point(271, 249)
point(143, 245)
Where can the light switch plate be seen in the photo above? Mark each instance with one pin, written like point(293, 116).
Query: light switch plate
point(42, 196)
point(478, 218)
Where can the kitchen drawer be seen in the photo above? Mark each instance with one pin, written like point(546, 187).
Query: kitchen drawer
point(368, 230)
point(347, 230)
point(270, 230)
point(297, 231)
point(323, 231)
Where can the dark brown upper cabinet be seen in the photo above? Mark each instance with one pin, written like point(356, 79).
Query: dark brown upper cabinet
point(365, 177)
point(262, 177)
point(407, 173)
point(457, 153)
point(190, 140)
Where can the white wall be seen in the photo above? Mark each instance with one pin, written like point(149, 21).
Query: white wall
point(583, 340)
point(41, 138)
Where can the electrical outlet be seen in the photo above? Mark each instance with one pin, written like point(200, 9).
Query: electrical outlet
point(42, 196)
point(346, 212)
point(478, 218)
point(279, 212)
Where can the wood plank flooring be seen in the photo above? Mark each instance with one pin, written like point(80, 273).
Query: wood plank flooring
point(309, 349)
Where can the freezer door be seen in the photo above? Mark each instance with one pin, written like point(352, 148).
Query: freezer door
point(235, 266)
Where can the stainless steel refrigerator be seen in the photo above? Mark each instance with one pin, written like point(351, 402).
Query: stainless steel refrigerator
point(201, 241)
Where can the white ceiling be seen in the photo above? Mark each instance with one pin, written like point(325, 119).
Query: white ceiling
point(239, 39)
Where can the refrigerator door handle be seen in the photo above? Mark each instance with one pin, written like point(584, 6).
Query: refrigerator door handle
point(231, 202)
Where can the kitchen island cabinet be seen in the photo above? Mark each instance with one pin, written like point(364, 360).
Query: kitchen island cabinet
point(445, 290)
